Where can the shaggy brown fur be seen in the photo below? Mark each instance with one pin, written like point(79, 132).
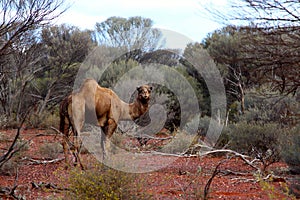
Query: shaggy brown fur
point(104, 105)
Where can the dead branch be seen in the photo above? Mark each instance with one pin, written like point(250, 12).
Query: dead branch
point(8, 193)
point(154, 138)
point(230, 172)
point(12, 150)
point(166, 154)
point(214, 174)
point(245, 158)
point(42, 162)
point(56, 130)
point(42, 185)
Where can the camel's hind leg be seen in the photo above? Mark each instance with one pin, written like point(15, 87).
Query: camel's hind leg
point(66, 150)
point(76, 152)
point(64, 128)
point(77, 120)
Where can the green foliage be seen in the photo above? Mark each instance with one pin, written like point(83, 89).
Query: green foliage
point(251, 138)
point(180, 144)
point(260, 141)
point(223, 46)
point(10, 167)
point(291, 148)
point(115, 71)
point(132, 33)
point(45, 120)
point(179, 103)
point(101, 183)
point(261, 109)
point(50, 150)
point(224, 138)
point(196, 52)
point(270, 189)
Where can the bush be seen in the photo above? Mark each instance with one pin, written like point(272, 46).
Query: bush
point(224, 138)
point(179, 144)
point(290, 150)
point(10, 166)
point(282, 110)
point(101, 183)
point(50, 150)
point(259, 141)
point(45, 120)
point(252, 138)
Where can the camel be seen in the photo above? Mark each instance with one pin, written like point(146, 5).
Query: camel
point(104, 105)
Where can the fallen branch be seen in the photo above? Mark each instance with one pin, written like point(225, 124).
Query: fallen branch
point(229, 172)
point(56, 130)
point(181, 155)
point(39, 162)
point(42, 185)
point(146, 136)
point(244, 180)
point(9, 193)
point(12, 150)
point(245, 158)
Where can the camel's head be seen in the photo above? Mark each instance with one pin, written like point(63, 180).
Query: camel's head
point(144, 93)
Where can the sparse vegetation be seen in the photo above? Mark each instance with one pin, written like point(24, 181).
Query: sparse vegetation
point(102, 183)
point(10, 166)
point(44, 120)
point(50, 150)
point(259, 67)
point(179, 144)
point(290, 150)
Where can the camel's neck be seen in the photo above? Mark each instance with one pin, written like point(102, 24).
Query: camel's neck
point(133, 110)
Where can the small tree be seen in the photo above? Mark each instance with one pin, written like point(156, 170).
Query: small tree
point(271, 41)
point(224, 46)
point(131, 34)
point(19, 49)
point(64, 48)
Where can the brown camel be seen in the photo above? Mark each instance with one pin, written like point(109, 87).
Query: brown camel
point(104, 105)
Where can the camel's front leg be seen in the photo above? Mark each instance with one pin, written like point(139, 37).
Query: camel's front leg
point(108, 131)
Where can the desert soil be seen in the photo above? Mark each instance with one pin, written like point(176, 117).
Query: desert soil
point(185, 178)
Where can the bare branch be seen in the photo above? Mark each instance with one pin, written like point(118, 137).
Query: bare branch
point(39, 162)
point(245, 158)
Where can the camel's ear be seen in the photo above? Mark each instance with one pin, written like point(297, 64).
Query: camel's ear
point(138, 89)
point(150, 88)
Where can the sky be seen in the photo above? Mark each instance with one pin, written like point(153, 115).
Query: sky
point(182, 16)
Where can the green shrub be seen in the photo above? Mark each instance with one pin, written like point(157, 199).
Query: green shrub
point(101, 183)
point(224, 138)
point(291, 148)
point(9, 168)
point(44, 120)
point(11, 165)
point(277, 109)
point(50, 150)
point(252, 138)
point(259, 141)
point(179, 144)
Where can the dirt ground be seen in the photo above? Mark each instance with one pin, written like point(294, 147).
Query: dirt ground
point(185, 178)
